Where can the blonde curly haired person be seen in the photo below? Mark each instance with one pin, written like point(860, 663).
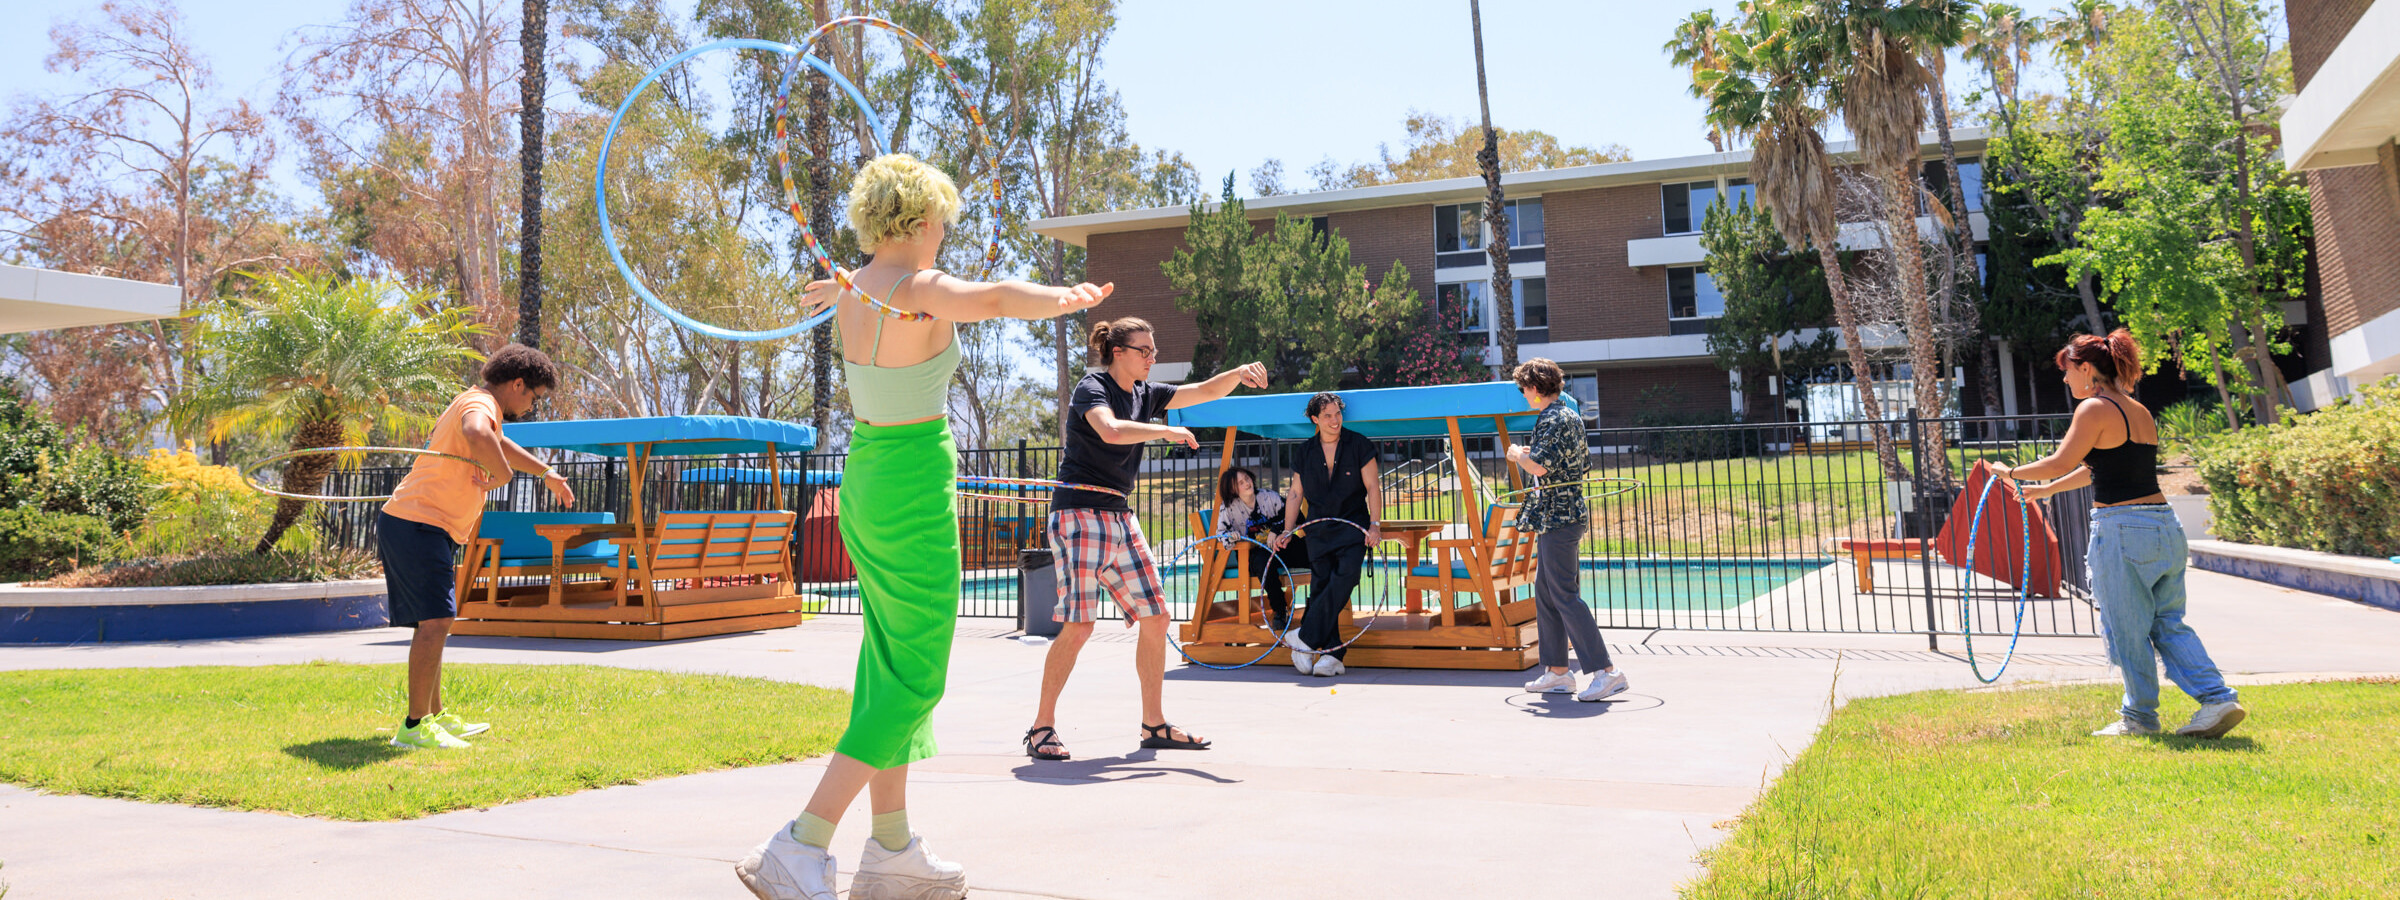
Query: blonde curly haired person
point(899, 522)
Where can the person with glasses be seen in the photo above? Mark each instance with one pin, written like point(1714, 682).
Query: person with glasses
point(1101, 552)
point(434, 511)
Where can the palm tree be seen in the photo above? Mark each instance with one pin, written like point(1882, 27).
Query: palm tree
point(531, 36)
point(1875, 52)
point(2000, 38)
point(1694, 47)
point(2078, 30)
point(1767, 91)
point(1495, 210)
point(323, 365)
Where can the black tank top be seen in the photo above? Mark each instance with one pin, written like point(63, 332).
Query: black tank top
point(2126, 471)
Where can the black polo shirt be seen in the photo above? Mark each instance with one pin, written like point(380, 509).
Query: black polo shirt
point(1090, 459)
point(1339, 492)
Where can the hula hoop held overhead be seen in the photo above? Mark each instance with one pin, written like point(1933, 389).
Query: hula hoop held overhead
point(791, 189)
point(249, 472)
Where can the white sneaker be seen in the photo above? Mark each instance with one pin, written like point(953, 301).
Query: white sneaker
point(1605, 684)
point(909, 873)
point(1552, 683)
point(785, 869)
point(2125, 727)
point(1328, 665)
point(2214, 719)
point(1304, 660)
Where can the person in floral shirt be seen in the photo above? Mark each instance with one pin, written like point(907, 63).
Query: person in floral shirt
point(1559, 458)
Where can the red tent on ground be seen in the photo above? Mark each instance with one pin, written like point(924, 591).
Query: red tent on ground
point(1999, 542)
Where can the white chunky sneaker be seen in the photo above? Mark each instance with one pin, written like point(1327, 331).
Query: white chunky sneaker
point(1552, 683)
point(1328, 665)
point(910, 873)
point(1604, 685)
point(2125, 727)
point(1304, 660)
point(2214, 719)
point(785, 869)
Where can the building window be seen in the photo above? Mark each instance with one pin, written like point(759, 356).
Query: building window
point(1533, 302)
point(1525, 223)
point(1686, 203)
point(1463, 303)
point(1691, 294)
point(1458, 227)
point(1739, 191)
point(1970, 172)
point(1586, 390)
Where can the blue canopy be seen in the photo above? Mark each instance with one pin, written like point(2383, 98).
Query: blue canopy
point(737, 475)
point(693, 435)
point(1401, 412)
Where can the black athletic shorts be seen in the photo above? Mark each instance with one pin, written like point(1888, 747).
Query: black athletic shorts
point(420, 569)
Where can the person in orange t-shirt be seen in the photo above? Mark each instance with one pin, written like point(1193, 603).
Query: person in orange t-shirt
point(435, 510)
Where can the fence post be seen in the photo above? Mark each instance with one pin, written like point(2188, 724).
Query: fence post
point(1021, 469)
point(1923, 514)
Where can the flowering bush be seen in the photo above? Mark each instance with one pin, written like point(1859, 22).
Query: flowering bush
point(2326, 481)
point(199, 509)
point(1432, 353)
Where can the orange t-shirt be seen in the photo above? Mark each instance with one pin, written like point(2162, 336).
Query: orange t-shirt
point(443, 492)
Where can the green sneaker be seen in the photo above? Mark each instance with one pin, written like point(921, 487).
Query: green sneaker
point(428, 735)
point(458, 727)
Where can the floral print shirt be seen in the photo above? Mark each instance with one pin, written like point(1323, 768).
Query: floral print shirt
point(1558, 446)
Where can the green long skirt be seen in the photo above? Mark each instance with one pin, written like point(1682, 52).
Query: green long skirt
point(899, 508)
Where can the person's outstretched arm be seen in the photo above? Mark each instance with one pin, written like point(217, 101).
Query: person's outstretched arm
point(1247, 375)
point(2090, 416)
point(960, 300)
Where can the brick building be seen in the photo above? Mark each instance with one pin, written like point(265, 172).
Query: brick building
point(2340, 131)
point(1607, 263)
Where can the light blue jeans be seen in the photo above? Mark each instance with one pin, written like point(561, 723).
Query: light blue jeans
point(2136, 565)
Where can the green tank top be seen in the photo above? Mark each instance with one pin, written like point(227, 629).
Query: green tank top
point(885, 394)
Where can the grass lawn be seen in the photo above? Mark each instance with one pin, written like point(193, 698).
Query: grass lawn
point(312, 739)
point(2002, 794)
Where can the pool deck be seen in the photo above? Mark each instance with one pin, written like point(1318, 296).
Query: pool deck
point(1384, 783)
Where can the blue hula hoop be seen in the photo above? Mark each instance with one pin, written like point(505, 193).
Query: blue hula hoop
point(608, 235)
point(1199, 608)
point(1966, 627)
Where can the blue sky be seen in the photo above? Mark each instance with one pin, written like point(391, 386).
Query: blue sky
point(1229, 83)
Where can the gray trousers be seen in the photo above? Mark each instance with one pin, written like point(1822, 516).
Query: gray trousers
point(1559, 613)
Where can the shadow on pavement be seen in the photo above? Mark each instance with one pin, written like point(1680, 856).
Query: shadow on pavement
point(1565, 706)
point(1134, 766)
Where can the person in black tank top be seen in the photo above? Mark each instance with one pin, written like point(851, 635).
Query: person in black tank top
point(2137, 553)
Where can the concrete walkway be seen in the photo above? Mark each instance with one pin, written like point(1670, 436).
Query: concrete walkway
point(1387, 784)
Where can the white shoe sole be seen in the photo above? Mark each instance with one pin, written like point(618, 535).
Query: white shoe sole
point(1553, 689)
point(1595, 698)
point(878, 886)
point(2219, 728)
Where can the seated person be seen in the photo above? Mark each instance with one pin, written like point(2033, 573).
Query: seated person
point(1243, 509)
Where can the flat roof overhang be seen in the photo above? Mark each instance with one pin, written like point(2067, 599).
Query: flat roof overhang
point(2352, 104)
point(42, 299)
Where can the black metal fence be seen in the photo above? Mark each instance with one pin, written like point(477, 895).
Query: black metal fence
point(1752, 527)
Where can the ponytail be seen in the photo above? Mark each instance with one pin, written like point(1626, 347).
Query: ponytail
point(1107, 336)
point(2116, 357)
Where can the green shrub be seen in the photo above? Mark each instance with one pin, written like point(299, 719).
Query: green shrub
point(203, 510)
point(38, 543)
point(2189, 421)
point(1659, 410)
point(42, 467)
point(2326, 481)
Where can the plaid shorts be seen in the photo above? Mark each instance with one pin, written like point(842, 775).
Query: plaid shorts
point(1101, 555)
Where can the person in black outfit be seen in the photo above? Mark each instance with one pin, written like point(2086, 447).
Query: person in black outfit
point(1246, 511)
point(1337, 476)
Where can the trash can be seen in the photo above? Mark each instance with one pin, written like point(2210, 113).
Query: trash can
point(1037, 592)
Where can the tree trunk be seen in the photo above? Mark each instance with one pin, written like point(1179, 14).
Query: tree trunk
point(304, 475)
point(820, 212)
point(1495, 211)
point(1861, 372)
point(1923, 356)
point(1063, 343)
point(532, 37)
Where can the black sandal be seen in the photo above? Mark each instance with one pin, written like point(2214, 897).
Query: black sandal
point(1033, 748)
point(1162, 737)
